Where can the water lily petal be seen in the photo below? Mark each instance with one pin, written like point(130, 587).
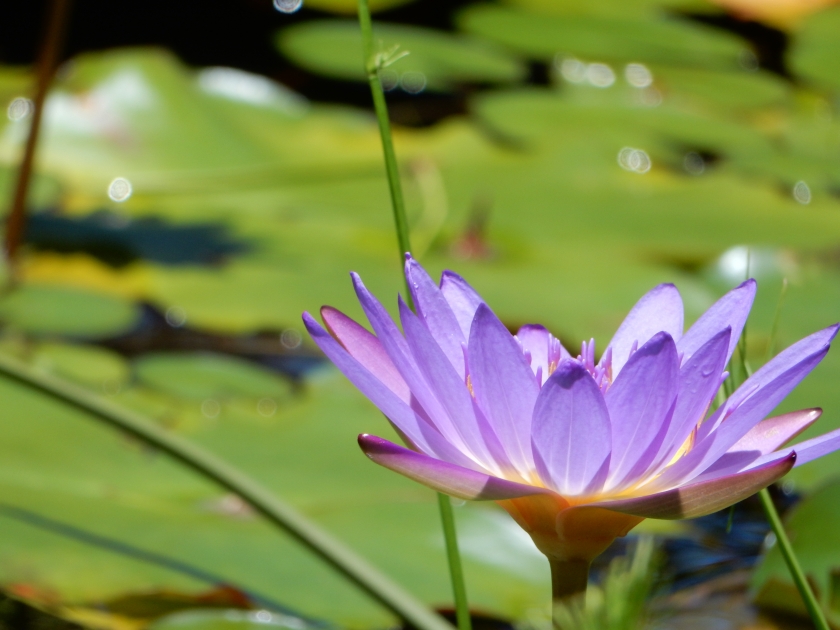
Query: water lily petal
point(423, 396)
point(810, 450)
point(704, 497)
point(772, 433)
point(449, 388)
point(660, 309)
point(413, 426)
point(743, 418)
point(571, 430)
point(545, 350)
point(462, 299)
point(729, 311)
point(639, 402)
point(434, 311)
point(699, 380)
point(503, 385)
point(795, 353)
point(366, 349)
point(445, 477)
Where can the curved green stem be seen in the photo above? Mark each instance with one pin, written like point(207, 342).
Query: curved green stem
point(808, 597)
point(284, 516)
point(373, 63)
point(381, 108)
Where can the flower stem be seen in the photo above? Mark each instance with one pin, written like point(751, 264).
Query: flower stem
point(373, 63)
point(280, 514)
point(568, 579)
point(372, 67)
point(459, 590)
point(48, 57)
point(808, 597)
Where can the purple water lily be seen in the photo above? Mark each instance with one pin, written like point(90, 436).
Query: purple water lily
point(577, 451)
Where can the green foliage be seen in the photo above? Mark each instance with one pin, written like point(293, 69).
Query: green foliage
point(334, 48)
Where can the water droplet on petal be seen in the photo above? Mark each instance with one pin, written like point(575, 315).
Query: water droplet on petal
point(288, 6)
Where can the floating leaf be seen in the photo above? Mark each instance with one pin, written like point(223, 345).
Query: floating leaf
point(815, 54)
point(55, 310)
point(601, 38)
point(436, 60)
point(205, 375)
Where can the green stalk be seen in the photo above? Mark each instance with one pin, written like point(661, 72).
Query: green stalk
point(284, 516)
point(459, 589)
point(374, 62)
point(808, 597)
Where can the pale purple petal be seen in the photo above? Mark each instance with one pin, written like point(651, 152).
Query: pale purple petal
point(571, 430)
point(729, 311)
point(545, 350)
point(450, 479)
point(701, 498)
point(802, 349)
point(773, 433)
point(397, 348)
point(462, 299)
point(639, 402)
point(809, 450)
point(424, 436)
point(739, 422)
point(699, 380)
point(503, 384)
point(366, 349)
point(660, 309)
point(448, 387)
point(434, 311)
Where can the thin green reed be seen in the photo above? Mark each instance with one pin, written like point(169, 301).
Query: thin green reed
point(374, 62)
point(792, 562)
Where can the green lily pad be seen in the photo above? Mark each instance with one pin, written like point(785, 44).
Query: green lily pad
point(56, 310)
point(92, 366)
point(207, 375)
point(602, 38)
point(815, 54)
point(436, 60)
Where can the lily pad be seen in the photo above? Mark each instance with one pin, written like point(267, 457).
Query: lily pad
point(605, 38)
point(56, 310)
point(206, 375)
point(815, 54)
point(436, 60)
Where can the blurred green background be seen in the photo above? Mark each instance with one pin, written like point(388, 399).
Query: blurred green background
point(563, 156)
